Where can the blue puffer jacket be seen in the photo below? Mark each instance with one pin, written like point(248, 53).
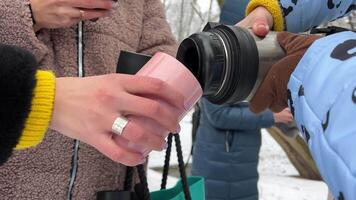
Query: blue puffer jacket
point(226, 150)
point(233, 11)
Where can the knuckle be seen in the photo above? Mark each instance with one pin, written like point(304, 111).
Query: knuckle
point(113, 80)
point(67, 22)
point(60, 11)
point(155, 84)
point(153, 108)
point(111, 77)
point(138, 136)
point(57, 2)
point(104, 97)
point(118, 155)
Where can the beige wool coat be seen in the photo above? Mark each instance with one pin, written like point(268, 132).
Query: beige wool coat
point(44, 172)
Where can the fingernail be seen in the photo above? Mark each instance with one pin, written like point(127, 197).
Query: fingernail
point(143, 161)
point(178, 129)
point(187, 106)
point(264, 26)
point(165, 146)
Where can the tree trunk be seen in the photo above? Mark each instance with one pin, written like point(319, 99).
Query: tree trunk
point(298, 153)
point(181, 21)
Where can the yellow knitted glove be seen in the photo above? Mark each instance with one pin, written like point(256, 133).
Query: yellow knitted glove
point(273, 7)
point(40, 115)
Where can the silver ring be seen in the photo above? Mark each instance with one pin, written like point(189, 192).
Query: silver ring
point(119, 125)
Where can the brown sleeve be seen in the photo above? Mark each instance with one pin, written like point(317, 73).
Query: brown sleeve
point(16, 27)
point(156, 33)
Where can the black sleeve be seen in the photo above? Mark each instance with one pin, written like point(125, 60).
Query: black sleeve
point(17, 82)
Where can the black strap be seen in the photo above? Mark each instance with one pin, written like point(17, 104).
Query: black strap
point(166, 162)
point(144, 193)
point(143, 186)
point(182, 168)
point(129, 179)
point(180, 165)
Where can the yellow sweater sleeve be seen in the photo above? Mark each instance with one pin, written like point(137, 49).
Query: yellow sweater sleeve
point(40, 114)
point(273, 7)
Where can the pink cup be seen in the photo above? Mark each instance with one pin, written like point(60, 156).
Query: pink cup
point(166, 68)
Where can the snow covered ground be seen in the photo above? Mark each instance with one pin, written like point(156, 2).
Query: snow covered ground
point(277, 174)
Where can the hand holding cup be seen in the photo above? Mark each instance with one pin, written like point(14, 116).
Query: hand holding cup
point(85, 109)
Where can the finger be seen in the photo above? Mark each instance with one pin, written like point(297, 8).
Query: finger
point(133, 147)
point(260, 27)
point(106, 145)
point(157, 88)
point(83, 14)
point(164, 114)
point(145, 133)
point(68, 16)
point(276, 107)
point(92, 4)
point(72, 16)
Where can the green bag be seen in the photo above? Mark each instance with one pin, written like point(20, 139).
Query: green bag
point(186, 188)
point(191, 188)
point(196, 187)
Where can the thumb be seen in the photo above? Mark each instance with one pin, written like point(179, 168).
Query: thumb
point(260, 27)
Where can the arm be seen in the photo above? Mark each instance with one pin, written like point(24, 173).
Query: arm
point(156, 33)
point(301, 15)
point(325, 110)
point(236, 118)
point(26, 101)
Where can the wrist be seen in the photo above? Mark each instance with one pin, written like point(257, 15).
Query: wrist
point(275, 118)
point(60, 101)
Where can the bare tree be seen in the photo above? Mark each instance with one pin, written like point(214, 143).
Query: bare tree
point(189, 16)
point(181, 21)
point(210, 9)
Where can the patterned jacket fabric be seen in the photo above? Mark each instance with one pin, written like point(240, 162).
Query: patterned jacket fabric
point(327, 75)
point(323, 96)
point(300, 15)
